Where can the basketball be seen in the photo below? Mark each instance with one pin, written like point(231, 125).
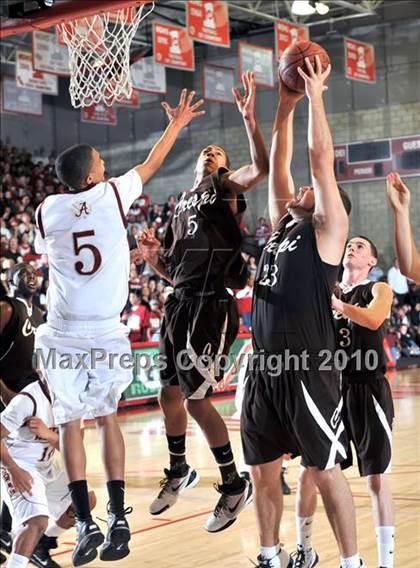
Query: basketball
point(294, 57)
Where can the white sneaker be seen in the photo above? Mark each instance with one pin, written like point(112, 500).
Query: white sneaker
point(282, 559)
point(305, 558)
point(228, 508)
point(171, 487)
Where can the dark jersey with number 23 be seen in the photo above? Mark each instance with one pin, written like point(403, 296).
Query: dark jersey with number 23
point(292, 293)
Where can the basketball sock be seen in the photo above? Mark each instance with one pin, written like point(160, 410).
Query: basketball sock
point(79, 496)
point(116, 492)
point(17, 561)
point(230, 476)
point(5, 518)
point(271, 553)
point(350, 561)
point(304, 532)
point(176, 447)
point(385, 543)
point(53, 530)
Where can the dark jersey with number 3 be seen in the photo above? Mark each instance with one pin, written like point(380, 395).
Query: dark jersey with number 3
point(292, 293)
point(202, 243)
point(363, 346)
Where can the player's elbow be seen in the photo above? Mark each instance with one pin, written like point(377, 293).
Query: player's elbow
point(321, 157)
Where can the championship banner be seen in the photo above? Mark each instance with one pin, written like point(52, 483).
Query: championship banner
point(286, 33)
point(48, 55)
point(359, 60)
point(147, 76)
point(133, 101)
point(173, 47)
point(208, 22)
point(218, 83)
point(28, 78)
point(258, 59)
point(20, 101)
point(99, 114)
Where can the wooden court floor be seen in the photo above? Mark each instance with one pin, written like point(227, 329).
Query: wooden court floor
point(176, 539)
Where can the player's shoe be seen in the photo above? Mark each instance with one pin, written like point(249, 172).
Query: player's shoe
point(171, 487)
point(3, 558)
point(41, 554)
point(285, 560)
point(228, 507)
point(6, 541)
point(305, 558)
point(116, 542)
point(89, 537)
point(361, 564)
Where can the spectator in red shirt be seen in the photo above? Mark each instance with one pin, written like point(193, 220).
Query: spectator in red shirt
point(138, 319)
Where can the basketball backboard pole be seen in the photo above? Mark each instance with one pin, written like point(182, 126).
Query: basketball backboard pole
point(65, 10)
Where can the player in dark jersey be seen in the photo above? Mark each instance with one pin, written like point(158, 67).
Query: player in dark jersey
point(19, 317)
point(360, 309)
point(295, 408)
point(201, 258)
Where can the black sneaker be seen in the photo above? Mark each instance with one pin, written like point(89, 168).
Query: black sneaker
point(89, 537)
point(41, 554)
point(6, 541)
point(3, 558)
point(115, 546)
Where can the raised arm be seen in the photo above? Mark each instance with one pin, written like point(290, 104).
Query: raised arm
point(405, 244)
point(280, 182)
point(181, 117)
point(246, 177)
point(374, 315)
point(330, 217)
point(149, 247)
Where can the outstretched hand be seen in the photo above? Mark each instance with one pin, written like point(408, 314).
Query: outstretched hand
point(246, 102)
point(186, 109)
point(397, 192)
point(287, 96)
point(148, 244)
point(315, 78)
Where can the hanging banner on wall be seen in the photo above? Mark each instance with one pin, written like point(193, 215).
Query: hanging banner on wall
point(286, 33)
point(133, 101)
point(48, 55)
point(28, 78)
point(147, 76)
point(359, 60)
point(100, 114)
point(208, 22)
point(218, 82)
point(258, 59)
point(173, 47)
point(21, 101)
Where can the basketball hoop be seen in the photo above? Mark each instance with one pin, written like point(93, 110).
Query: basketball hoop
point(99, 55)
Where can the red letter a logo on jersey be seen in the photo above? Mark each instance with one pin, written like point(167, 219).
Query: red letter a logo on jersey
point(81, 208)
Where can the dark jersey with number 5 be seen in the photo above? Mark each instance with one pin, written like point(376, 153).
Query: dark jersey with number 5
point(203, 241)
point(363, 346)
point(292, 293)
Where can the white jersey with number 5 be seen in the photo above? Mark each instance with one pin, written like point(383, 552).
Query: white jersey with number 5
point(84, 234)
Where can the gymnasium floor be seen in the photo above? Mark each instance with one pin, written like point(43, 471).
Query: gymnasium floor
point(176, 539)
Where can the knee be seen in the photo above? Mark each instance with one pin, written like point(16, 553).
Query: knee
point(263, 477)
point(306, 482)
point(325, 478)
point(375, 483)
point(37, 525)
point(102, 421)
point(196, 408)
point(170, 396)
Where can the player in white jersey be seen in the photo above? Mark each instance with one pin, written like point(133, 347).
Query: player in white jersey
point(83, 348)
point(33, 481)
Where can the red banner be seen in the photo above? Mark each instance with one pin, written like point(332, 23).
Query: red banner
point(286, 33)
point(133, 101)
point(360, 60)
point(208, 22)
point(173, 47)
point(100, 114)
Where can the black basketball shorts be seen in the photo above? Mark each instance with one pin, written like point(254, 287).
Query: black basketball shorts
point(368, 416)
point(196, 332)
point(296, 412)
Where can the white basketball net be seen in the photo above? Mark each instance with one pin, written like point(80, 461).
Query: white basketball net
point(99, 54)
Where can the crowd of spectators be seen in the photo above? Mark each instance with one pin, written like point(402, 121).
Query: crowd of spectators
point(25, 184)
